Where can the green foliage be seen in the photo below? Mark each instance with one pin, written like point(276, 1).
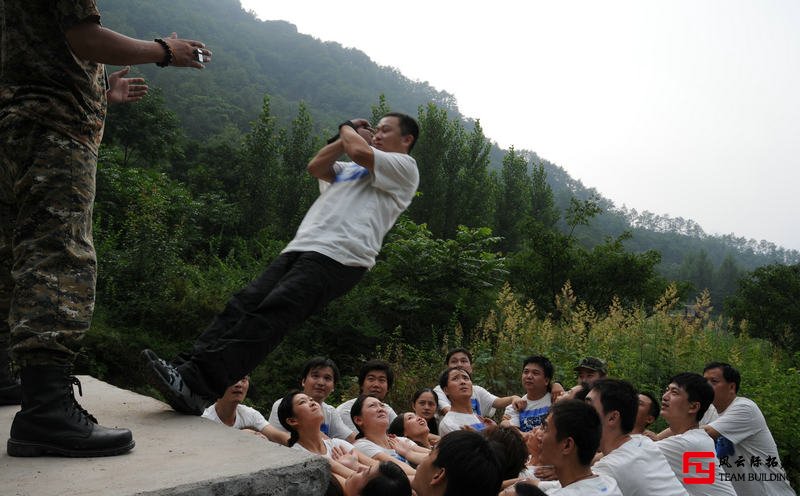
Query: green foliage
point(513, 200)
point(146, 133)
point(425, 284)
point(608, 271)
point(143, 223)
point(766, 304)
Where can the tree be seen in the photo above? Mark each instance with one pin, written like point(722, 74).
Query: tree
point(514, 200)
point(726, 281)
point(440, 143)
point(423, 283)
point(767, 301)
point(608, 271)
point(147, 133)
point(475, 206)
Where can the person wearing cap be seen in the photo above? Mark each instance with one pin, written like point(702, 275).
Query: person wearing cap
point(591, 369)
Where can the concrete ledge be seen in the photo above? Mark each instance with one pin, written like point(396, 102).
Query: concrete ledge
point(174, 455)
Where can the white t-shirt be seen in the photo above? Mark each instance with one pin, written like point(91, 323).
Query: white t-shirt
point(353, 213)
point(482, 400)
point(344, 413)
point(710, 415)
point(640, 469)
point(748, 441)
point(600, 485)
point(454, 421)
point(246, 418)
point(332, 425)
point(533, 415)
point(673, 449)
point(371, 449)
point(329, 445)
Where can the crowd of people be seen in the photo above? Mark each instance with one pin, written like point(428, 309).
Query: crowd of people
point(592, 439)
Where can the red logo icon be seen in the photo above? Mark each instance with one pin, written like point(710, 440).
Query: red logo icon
point(695, 460)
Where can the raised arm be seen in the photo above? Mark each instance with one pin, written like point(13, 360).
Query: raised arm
point(355, 145)
point(91, 41)
point(321, 166)
point(507, 400)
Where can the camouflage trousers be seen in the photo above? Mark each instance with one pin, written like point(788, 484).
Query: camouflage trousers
point(47, 260)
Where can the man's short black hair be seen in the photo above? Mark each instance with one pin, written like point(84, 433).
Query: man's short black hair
point(470, 465)
point(578, 420)
point(457, 350)
point(697, 388)
point(408, 125)
point(729, 373)
point(510, 449)
point(390, 481)
point(655, 405)
point(373, 365)
point(319, 363)
point(621, 396)
point(545, 364)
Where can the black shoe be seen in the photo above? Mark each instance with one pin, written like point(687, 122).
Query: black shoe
point(166, 378)
point(52, 422)
point(10, 393)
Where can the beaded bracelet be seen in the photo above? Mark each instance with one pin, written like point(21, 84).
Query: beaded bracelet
point(168, 55)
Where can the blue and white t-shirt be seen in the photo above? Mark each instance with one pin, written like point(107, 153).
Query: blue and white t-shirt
point(454, 421)
point(533, 415)
point(354, 212)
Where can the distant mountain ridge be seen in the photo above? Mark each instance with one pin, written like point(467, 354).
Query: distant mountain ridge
point(253, 57)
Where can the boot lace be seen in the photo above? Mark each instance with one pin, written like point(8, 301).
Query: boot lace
point(76, 407)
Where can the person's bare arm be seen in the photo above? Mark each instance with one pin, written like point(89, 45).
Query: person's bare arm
point(91, 41)
point(663, 434)
point(321, 166)
point(519, 403)
point(712, 432)
point(355, 146)
point(276, 435)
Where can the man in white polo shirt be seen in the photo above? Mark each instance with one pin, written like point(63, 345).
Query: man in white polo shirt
point(745, 447)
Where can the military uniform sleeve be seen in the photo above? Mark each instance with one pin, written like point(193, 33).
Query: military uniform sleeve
point(72, 12)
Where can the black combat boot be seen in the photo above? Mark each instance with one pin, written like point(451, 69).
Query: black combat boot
point(10, 388)
point(52, 422)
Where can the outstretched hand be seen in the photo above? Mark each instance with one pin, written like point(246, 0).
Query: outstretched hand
point(125, 90)
point(188, 53)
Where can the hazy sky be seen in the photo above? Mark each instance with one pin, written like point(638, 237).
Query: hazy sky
point(684, 107)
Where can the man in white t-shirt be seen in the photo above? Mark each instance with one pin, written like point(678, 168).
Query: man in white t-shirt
point(483, 402)
point(336, 243)
point(633, 461)
point(374, 378)
point(229, 410)
point(537, 372)
point(319, 377)
point(683, 404)
point(569, 438)
point(745, 447)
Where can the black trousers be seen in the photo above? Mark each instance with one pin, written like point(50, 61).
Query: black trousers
point(255, 320)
